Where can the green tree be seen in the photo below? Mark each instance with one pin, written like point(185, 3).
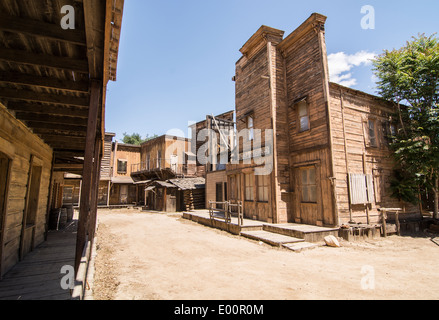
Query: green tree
point(136, 139)
point(410, 78)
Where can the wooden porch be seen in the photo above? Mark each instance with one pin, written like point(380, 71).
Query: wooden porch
point(292, 236)
point(38, 276)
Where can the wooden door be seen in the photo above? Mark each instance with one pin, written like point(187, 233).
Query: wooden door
point(171, 200)
point(31, 210)
point(123, 194)
point(305, 198)
point(4, 179)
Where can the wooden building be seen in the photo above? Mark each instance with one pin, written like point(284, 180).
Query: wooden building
point(328, 144)
point(52, 106)
point(167, 175)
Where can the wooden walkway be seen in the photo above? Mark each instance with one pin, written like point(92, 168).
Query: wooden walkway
point(38, 276)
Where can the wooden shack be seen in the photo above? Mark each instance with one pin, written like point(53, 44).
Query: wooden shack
point(330, 158)
point(52, 114)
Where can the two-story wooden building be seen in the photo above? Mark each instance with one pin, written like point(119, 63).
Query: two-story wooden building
point(328, 144)
point(166, 177)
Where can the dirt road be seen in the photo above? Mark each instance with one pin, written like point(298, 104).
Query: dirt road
point(146, 256)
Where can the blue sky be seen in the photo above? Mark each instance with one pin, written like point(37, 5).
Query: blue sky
point(177, 57)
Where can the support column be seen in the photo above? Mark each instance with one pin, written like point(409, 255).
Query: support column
point(87, 175)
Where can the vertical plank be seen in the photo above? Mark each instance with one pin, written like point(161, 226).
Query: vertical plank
point(87, 175)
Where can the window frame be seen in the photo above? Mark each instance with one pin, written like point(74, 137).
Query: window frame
point(249, 187)
point(263, 183)
point(373, 139)
point(303, 102)
point(119, 161)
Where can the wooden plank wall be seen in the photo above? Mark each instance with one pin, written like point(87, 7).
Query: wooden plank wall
point(304, 61)
point(212, 178)
point(17, 142)
point(106, 163)
point(352, 153)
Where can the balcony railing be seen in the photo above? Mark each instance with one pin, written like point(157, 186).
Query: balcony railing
point(158, 164)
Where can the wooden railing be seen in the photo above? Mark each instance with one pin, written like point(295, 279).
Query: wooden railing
point(157, 164)
point(226, 209)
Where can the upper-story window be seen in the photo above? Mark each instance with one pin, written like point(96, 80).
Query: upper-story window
point(372, 133)
point(122, 166)
point(303, 112)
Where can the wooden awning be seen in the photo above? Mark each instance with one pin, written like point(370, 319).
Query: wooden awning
point(46, 73)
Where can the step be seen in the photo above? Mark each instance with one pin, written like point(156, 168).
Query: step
point(273, 239)
point(307, 232)
point(300, 246)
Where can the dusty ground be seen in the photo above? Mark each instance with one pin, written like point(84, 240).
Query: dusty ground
point(146, 256)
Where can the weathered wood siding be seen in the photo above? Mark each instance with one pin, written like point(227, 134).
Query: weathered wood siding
point(20, 145)
point(106, 163)
point(305, 76)
point(212, 178)
point(353, 153)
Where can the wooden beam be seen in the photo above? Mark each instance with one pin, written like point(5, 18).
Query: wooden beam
point(44, 82)
point(67, 166)
point(28, 95)
point(44, 60)
point(94, 17)
point(87, 175)
point(66, 154)
point(41, 29)
point(48, 109)
point(47, 131)
point(56, 126)
point(63, 139)
point(49, 120)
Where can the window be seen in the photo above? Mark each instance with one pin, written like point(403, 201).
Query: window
point(302, 108)
point(361, 188)
point(250, 128)
point(122, 166)
point(308, 185)
point(249, 186)
point(263, 183)
point(372, 133)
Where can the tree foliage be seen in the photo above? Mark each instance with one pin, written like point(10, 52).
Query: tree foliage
point(409, 77)
point(136, 138)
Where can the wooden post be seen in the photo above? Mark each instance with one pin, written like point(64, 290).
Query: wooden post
point(95, 189)
point(87, 175)
point(398, 225)
point(383, 217)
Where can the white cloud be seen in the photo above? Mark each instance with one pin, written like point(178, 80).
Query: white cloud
point(341, 65)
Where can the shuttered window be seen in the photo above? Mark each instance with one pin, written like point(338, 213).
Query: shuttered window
point(361, 189)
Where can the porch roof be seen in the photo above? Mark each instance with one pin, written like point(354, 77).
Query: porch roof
point(47, 73)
